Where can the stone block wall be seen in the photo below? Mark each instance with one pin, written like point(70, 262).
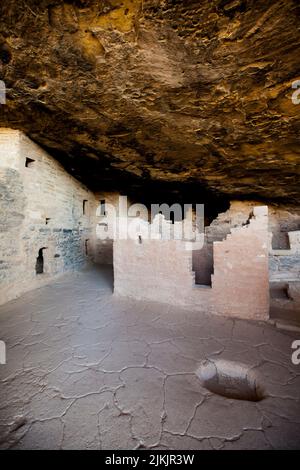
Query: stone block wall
point(42, 207)
point(161, 270)
point(240, 282)
point(103, 253)
point(285, 263)
point(158, 270)
point(285, 280)
point(235, 216)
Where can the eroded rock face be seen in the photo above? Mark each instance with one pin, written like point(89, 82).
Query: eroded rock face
point(172, 90)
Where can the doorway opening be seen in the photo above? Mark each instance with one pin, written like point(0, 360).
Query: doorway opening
point(39, 266)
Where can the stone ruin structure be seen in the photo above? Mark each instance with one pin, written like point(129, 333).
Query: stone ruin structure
point(162, 270)
point(191, 320)
point(250, 258)
point(117, 331)
point(46, 217)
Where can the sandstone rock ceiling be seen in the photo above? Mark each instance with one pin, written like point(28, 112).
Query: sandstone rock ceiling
point(159, 90)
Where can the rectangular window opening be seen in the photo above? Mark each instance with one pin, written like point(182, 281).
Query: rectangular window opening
point(84, 206)
point(102, 207)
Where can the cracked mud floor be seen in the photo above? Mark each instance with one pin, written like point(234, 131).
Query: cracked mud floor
point(86, 370)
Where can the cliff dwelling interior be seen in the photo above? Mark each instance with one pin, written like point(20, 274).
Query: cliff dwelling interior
point(150, 225)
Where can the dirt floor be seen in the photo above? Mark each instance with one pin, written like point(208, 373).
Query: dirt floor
point(88, 370)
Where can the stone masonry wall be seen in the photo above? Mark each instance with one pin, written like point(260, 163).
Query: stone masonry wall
point(240, 282)
point(161, 270)
point(104, 247)
point(285, 280)
point(285, 263)
point(235, 216)
point(41, 208)
point(284, 229)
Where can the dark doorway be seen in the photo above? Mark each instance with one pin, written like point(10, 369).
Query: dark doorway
point(39, 266)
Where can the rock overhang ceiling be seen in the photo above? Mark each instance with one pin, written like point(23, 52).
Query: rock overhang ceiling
point(195, 92)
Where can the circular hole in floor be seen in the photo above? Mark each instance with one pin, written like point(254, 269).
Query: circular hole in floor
point(231, 379)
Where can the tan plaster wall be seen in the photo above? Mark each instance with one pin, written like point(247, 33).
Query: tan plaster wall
point(161, 270)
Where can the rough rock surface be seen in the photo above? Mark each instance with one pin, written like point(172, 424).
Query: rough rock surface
point(170, 90)
point(88, 370)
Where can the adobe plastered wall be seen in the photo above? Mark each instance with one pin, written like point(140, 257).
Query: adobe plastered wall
point(41, 207)
point(161, 270)
point(240, 282)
